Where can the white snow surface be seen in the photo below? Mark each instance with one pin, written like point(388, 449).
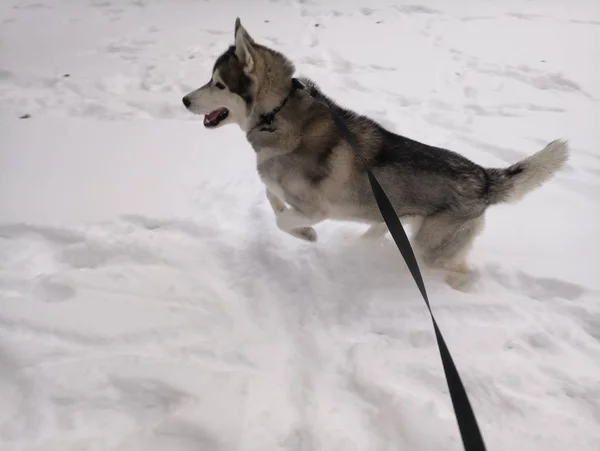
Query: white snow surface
point(148, 301)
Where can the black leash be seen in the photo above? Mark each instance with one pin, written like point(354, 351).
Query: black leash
point(467, 423)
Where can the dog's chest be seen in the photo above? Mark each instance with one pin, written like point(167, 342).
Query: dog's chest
point(284, 178)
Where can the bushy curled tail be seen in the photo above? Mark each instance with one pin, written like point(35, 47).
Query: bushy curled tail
point(510, 185)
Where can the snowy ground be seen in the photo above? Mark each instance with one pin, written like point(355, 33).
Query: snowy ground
point(148, 302)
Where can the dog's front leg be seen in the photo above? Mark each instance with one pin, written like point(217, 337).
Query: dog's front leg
point(276, 203)
point(375, 231)
point(298, 224)
point(279, 207)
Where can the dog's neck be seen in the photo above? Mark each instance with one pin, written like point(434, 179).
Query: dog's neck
point(266, 120)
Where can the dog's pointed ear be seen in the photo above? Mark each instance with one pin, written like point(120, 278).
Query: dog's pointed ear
point(244, 46)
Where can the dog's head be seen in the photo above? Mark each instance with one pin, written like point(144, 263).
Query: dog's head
point(247, 80)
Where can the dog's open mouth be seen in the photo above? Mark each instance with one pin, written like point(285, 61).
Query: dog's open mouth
point(215, 117)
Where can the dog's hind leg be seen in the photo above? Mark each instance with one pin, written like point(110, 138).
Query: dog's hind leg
point(279, 206)
point(443, 242)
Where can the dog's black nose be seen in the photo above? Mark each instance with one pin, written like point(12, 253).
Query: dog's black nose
point(186, 102)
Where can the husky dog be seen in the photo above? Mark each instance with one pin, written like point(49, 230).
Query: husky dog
point(312, 174)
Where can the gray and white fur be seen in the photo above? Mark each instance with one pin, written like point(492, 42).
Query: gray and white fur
point(311, 174)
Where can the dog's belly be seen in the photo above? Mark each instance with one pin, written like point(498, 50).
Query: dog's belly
point(353, 212)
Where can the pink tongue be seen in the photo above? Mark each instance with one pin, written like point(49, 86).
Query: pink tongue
point(213, 115)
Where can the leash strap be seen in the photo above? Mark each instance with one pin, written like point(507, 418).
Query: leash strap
point(467, 423)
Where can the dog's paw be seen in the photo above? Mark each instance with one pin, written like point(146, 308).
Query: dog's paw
point(305, 233)
point(462, 281)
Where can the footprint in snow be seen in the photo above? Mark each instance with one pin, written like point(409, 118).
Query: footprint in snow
point(312, 60)
point(54, 235)
point(525, 16)
point(539, 288)
point(310, 41)
point(378, 67)
point(417, 9)
point(177, 433)
point(5, 75)
point(355, 85)
point(37, 5)
point(50, 291)
point(216, 32)
point(586, 22)
point(337, 63)
point(590, 321)
point(101, 4)
point(95, 254)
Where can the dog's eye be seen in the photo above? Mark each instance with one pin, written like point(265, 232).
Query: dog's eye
point(220, 85)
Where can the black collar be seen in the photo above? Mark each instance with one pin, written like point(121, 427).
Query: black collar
point(265, 122)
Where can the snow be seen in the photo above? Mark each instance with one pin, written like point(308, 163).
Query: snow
point(148, 301)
